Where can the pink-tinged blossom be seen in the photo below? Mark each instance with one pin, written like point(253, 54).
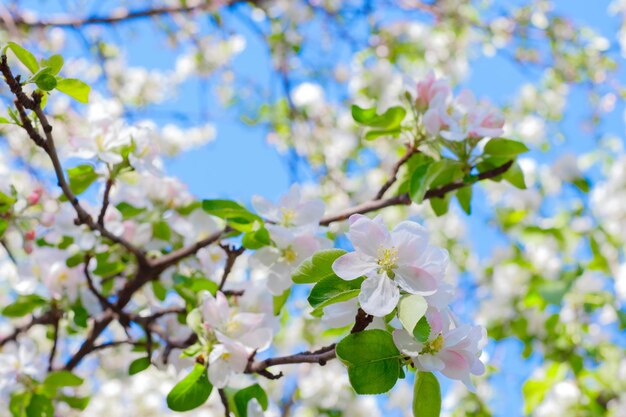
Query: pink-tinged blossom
point(292, 210)
point(431, 92)
point(391, 261)
point(468, 118)
point(453, 351)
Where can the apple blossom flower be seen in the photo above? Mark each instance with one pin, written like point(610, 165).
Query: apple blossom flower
point(19, 361)
point(281, 260)
point(218, 317)
point(400, 259)
point(468, 118)
point(227, 358)
point(292, 210)
point(431, 91)
point(453, 351)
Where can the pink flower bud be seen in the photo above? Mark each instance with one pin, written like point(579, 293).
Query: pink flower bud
point(30, 235)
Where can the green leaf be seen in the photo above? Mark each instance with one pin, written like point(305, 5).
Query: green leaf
point(317, 267)
point(128, 211)
point(237, 216)
point(372, 360)
point(46, 82)
point(161, 230)
point(74, 88)
point(24, 56)
point(440, 205)
point(464, 196)
point(256, 239)
point(18, 403)
point(243, 397)
point(421, 331)
point(24, 305)
point(138, 365)
point(422, 177)
point(40, 406)
point(5, 121)
point(77, 403)
point(375, 134)
point(59, 379)
point(333, 289)
point(361, 115)
point(6, 202)
point(106, 269)
point(426, 395)
point(411, 309)
point(3, 226)
point(515, 176)
point(504, 147)
point(279, 301)
point(55, 63)
point(389, 120)
point(191, 392)
point(159, 290)
point(81, 177)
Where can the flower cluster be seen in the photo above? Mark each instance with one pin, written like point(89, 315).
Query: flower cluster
point(230, 337)
point(293, 232)
point(403, 261)
point(456, 118)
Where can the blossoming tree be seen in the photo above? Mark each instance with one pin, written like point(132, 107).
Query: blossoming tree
point(124, 294)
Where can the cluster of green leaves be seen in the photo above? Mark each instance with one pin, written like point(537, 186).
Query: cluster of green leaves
point(39, 399)
point(424, 173)
point(45, 74)
point(241, 220)
point(387, 123)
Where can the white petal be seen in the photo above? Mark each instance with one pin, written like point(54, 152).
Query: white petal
point(430, 363)
point(407, 343)
point(352, 265)
point(219, 373)
point(265, 208)
point(367, 235)
point(415, 280)
point(379, 295)
point(310, 213)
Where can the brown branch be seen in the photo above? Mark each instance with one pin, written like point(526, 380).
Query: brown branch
point(71, 22)
point(232, 255)
point(105, 201)
point(412, 150)
point(224, 401)
point(55, 342)
point(404, 199)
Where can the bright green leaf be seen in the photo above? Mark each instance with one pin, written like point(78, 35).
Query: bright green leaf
point(138, 365)
point(243, 397)
point(317, 267)
point(74, 88)
point(81, 177)
point(504, 147)
point(372, 360)
point(426, 395)
point(191, 392)
point(40, 406)
point(280, 300)
point(24, 305)
point(59, 379)
point(333, 289)
point(24, 56)
point(421, 331)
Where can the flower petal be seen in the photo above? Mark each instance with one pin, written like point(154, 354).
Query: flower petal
point(415, 280)
point(367, 235)
point(407, 343)
point(379, 295)
point(352, 265)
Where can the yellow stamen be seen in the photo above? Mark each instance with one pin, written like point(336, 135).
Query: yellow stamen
point(387, 258)
point(289, 215)
point(433, 346)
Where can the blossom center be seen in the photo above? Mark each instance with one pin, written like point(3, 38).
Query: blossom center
point(433, 346)
point(289, 254)
point(289, 215)
point(387, 260)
